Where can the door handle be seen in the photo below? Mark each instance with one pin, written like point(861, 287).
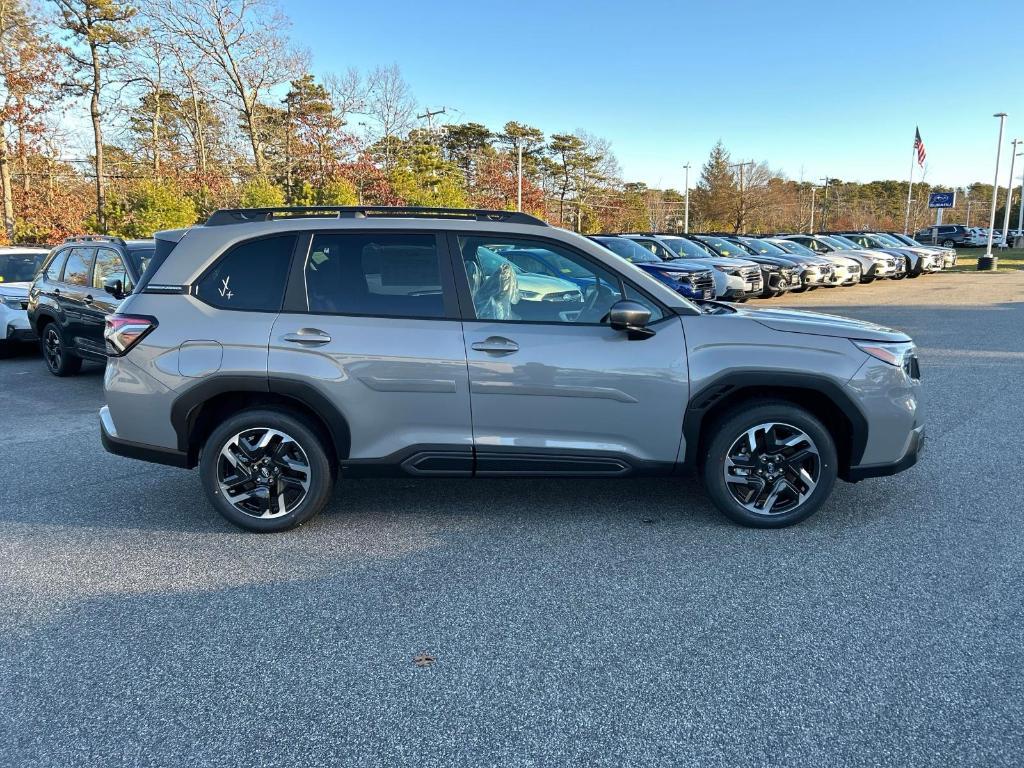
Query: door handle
point(307, 336)
point(497, 345)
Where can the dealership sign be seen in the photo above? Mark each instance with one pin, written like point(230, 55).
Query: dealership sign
point(941, 199)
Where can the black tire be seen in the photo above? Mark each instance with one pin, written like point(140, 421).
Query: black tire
point(915, 274)
point(727, 431)
point(314, 449)
point(59, 360)
point(6, 350)
point(948, 243)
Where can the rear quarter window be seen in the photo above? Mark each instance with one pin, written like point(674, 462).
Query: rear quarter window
point(251, 276)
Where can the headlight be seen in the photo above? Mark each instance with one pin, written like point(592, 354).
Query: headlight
point(722, 268)
point(892, 353)
point(14, 302)
point(528, 294)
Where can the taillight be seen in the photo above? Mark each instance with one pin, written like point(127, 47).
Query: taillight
point(122, 332)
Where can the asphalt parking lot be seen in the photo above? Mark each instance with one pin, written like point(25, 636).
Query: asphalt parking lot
point(571, 623)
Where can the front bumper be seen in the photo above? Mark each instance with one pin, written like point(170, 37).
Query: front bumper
point(909, 459)
point(15, 325)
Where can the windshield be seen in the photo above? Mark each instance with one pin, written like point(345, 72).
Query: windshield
point(847, 242)
point(724, 247)
point(904, 239)
point(19, 267)
point(789, 246)
point(627, 249)
point(763, 247)
point(839, 245)
point(688, 248)
point(888, 240)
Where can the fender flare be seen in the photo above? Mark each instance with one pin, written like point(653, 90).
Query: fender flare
point(732, 383)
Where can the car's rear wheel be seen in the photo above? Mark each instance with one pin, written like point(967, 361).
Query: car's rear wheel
point(60, 361)
point(770, 465)
point(266, 470)
point(948, 243)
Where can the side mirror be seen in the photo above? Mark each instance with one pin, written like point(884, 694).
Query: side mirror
point(114, 287)
point(631, 317)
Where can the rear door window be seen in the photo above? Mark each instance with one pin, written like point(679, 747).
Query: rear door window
point(377, 274)
point(109, 265)
point(251, 276)
point(78, 269)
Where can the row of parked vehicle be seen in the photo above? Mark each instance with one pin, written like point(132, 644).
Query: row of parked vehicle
point(280, 349)
point(740, 267)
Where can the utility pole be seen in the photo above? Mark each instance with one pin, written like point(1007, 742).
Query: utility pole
point(686, 210)
point(988, 262)
point(813, 190)
point(1009, 192)
point(741, 219)
point(519, 176)
point(429, 117)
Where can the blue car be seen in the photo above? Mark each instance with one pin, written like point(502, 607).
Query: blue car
point(692, 280)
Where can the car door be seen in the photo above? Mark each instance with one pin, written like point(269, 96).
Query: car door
point(99, 303)
point(71, 294)
point(371, 323)
point(562, 392)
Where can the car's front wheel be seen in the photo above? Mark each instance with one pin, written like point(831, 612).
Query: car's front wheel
point(266, 470)
point(769, 465)
point(60, 361)
point(948, 243)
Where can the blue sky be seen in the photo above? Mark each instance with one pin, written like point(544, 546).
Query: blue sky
point(817, 88)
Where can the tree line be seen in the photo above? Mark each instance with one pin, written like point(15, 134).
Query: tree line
point(194, 105)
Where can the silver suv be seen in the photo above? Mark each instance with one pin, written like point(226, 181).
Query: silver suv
point(281, 349)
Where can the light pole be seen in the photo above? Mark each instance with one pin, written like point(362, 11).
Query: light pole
point(988, 262)
point(686, 208)
point(519, 177)
point(1020, 210)
point(1009, 192)
point(824, 201)
point(813, 190)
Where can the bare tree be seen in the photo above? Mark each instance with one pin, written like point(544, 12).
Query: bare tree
point(389, 102)
point(243, 41)
point(100, 31)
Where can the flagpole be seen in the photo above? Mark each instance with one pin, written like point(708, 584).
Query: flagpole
point(910, 187)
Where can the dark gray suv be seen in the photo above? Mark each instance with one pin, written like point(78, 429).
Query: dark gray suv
point(279, 350)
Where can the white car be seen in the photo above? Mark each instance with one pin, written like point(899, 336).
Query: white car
point(17, 268)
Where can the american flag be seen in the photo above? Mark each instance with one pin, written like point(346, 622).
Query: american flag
point(919, 147)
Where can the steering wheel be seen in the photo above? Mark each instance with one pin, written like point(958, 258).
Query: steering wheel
point(590, 302)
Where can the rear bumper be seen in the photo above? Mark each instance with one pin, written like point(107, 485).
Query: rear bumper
point(151, 453)
point(908, 460)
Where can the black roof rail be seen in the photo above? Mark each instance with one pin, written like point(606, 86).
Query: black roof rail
point(243, 215)
point(95, 238)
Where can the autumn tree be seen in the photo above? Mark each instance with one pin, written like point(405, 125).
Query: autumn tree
point(99, 32)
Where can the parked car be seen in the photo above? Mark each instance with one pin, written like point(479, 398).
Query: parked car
point(278, 351)
point(891, 263)
point(778, 275)
point(947, 235)
point(693, 280)
point(81, 281)
point(748, 272)
point(918, 260)
point(17, 266)
point(948, 254)
point(846, 269)
point(815, 271)
point(728, 286)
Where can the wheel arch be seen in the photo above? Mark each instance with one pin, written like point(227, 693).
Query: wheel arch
point(197, 412)
point(819, 395)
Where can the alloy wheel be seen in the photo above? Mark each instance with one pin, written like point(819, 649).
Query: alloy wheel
point(772, 468)
point(263, 472)
point(52, 348)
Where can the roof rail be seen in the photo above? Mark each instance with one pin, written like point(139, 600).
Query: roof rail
point(95, 238)
point(243, 215)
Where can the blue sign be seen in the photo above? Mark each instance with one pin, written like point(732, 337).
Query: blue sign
point(941, 199)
